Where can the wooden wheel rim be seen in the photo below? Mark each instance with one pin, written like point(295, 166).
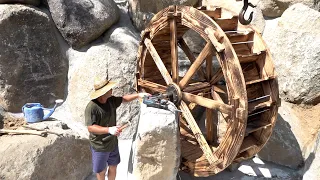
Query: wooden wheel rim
point(232, 73)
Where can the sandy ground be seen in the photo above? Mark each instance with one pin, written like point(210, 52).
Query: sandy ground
point(248, 170)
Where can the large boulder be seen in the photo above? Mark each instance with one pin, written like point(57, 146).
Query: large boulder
point(275, 8)
point(81, 22)
point(34, 157)
point(32, 68)
point(113, 55)
point(294, 43)
point(312, 165)
point(156, 147)
point(141, 12)
point(294, 135)
point(31, 2)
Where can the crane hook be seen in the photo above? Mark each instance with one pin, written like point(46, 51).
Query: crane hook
point(243, 11)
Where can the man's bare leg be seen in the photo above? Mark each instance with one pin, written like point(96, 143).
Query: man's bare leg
point(102, 175)
point(112, 172)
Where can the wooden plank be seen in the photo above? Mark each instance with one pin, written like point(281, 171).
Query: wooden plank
point(250, 71)
point(191, 57)
point(242, 49)
point(255, 126)
point(195, 66)
point(198, 134)
point(251, 57)
point(259, 80)
point(254, 106)
point(240, 36)
point(174, 50)
point(228, 24)
point(208, 103)
point(152, 86)
point(162, 68)
point(248, 142)
point(211, 34)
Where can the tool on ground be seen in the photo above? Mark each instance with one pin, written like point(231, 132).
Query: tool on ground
point(33, 132)
point(46, 130)
point(34, 112)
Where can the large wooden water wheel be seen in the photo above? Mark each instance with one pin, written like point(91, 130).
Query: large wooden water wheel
point(231, 81)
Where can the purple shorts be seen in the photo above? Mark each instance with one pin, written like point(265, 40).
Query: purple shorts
point(100, 160)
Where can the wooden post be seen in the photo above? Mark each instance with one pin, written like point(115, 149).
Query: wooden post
point(174, 49)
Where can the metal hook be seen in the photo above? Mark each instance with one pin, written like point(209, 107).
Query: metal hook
point(243, 11)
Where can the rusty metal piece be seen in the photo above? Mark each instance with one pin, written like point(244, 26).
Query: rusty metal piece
point(243, 11)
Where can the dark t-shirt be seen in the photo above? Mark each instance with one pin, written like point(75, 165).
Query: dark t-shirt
point(102, 115)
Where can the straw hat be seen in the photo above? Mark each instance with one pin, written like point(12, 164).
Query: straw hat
point(101, 86)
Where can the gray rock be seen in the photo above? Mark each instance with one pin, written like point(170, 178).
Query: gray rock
point(81, 22)
point(194, 41)
point(275, 8)
point(294, 44)
point(156, 147)
point(33, 68)
point(312, 165)
point(52, 157)
point(293, 140)
point(141, 12)
point(31, 2)
point(115, 55)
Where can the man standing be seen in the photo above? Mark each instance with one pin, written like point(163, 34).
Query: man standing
point(100, 117)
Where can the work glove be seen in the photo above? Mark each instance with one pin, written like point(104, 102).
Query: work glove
point(141, 95)
point(114, 130)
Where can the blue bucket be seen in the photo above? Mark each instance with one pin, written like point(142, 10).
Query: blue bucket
point(33, 112)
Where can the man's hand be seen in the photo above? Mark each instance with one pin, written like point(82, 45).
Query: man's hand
point(115, 130)
point(141, 95)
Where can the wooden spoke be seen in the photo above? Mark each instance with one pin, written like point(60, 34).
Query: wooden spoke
point(198, 87)
point(191, 57)
point(195, 65)
point(174, 50)
point(209, 71)
point(217, 76)
point(162, 68)
point(152, 86)
point(197, 133)
point(208, 103)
